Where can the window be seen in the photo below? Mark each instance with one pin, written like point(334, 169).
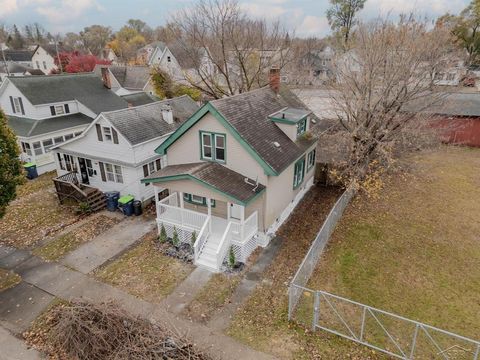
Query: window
point(213, 146)
point(107, 133)
point(26, 148)
point(37, 148)
point(197, 200)
point(298, 173)
point(45, 65)
point(38, 64)
point(89, 167)
point(70, 162)
point(67, 109)
point(68, 137)
point(77, 134)
point(114, 173)
point(59, 110)
point(311, 159)
point(301, 126)
point(450, 76)
point(17, 105)
point(150, 168)
point(47, 145)
point(60, 161)
point(169, 59)
point(58, 140)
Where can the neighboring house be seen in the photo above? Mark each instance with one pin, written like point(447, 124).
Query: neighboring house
point(36, 57)
point(451, 76)
point(140, 98)
point(196, 63)
point(456, 118)
point(316, 67)
point(14, 69)
point(235, 171)
point(47, 110)
point(129, 79)
point(117, 150)
point(158, 54)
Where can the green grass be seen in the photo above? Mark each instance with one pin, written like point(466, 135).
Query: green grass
point(8, 279)
point(415, 250)
point(145, 272)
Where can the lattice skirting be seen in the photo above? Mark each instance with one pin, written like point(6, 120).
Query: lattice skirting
point(243, 252)
point(184, 234)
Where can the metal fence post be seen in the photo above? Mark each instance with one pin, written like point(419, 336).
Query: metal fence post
point(290, 302)
point(316, 310)
point(362, 329)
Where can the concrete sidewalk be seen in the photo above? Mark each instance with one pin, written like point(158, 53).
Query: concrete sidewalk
point(60, 281)
point(15, 349)
point(96, 252)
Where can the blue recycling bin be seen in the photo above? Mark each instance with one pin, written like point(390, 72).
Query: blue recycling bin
point(112, 200)
point(31, 170)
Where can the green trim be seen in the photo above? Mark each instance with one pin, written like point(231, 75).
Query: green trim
point(302, 160)
point(189, 199)
point(300, 124)
point(314, 152)
point(213, 146)
point(162, 149)
point(190, 177)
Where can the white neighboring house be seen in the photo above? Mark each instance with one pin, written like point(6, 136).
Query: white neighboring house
point(236, 170)
point(128, 79)
point(47, 110)
point(42, 60)
point(158, 54)
point(452, 75)
point(36, 57)
point(14, 69)
point(116, 151)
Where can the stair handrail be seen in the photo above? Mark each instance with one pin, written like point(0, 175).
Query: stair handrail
point(223, 246)
point(200, 241)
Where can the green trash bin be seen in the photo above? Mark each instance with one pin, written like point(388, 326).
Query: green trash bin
point(126, 204)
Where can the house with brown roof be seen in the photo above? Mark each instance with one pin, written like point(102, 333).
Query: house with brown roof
point(235, 171)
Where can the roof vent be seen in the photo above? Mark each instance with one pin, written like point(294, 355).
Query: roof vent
point(276, 144)
point(313, 121)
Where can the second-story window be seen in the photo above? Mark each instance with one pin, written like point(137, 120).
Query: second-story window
point(301, 126)
point(107, 133)
point(17, 105)
point(44, 65)
point(213, 146)
point(59, 109)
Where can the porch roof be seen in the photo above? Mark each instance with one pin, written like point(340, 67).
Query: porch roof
point(213, 175)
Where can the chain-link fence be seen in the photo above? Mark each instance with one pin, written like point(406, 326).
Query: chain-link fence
point(394, 335)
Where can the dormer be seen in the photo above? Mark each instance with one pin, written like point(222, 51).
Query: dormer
point(292, 121)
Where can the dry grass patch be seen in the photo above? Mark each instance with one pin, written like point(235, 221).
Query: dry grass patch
point(414, 250)
point(8, 279)
point(262, 320)
point(145, 272)
point(71, 240)
point(35, 214)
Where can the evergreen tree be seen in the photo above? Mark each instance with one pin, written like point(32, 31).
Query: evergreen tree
point(17, 40)
point(10, 167)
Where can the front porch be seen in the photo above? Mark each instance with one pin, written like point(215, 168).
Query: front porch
point(214, 228)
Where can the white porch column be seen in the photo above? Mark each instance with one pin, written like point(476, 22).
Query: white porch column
point(155, 189)
point(181, 199)
point(209, 205)
point(242, 222)
point(181, 206)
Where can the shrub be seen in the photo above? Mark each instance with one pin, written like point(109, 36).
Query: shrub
point(163, 235)
point(194, 238)
point(84, 208)
point(231, 258)
point(175, 239)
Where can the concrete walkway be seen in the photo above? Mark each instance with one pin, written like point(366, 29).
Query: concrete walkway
point(59, 281)
point(15, 349)
point(186, 291)
point(94, 253)
point(221, 320)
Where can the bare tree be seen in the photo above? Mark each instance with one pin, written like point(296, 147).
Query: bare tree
point(228, 51)
point(384, 89)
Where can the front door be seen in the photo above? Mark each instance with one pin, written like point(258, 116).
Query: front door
point(236, 211)
point(83, 170)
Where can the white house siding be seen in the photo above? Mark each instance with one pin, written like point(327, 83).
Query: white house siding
point(187, 150)
point(172, 67)
point(289, 129)
point(280, 191)
point(258, 204)
point(10, 90)
point(43, 60)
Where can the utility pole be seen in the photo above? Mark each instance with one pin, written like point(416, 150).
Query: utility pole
point(58, 57)
point(5, 61)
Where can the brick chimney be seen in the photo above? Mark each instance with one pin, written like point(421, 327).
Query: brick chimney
point(106, 78)
point(274, 79)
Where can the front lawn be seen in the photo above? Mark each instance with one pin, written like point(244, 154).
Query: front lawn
point(35, 214)
point(145, 272)
point(415, 250)
point(8, 279)
point(69, 241)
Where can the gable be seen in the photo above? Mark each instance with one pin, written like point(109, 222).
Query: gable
point(198, 116)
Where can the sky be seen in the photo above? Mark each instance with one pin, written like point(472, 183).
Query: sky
point(307, 17)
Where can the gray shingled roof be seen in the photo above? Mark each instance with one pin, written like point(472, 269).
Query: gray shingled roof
point(132, 77)
point(86, 88)
point(143, 123)
point(453, 104)
point(18, 55)
point(249, 114)
point(140, 98)
point(217, 176)
point(27, 127)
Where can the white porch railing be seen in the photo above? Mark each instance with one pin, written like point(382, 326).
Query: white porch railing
point(202, 237)
point(224, 245)
point(168, 211)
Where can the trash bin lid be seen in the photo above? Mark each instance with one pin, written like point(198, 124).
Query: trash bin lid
point(29, 165)
point(125, 199)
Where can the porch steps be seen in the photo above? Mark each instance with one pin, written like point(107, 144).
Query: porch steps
point(96, 200)
point(208, 258)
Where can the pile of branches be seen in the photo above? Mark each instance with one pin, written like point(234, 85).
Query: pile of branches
point(83, 330)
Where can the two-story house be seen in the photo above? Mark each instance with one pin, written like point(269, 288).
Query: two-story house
point(235, 171)
point(36, 57)
point(44, 111)
point(128, 79)
point(117, 149)
point(157, 54)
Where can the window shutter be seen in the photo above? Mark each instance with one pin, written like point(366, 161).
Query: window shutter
point(145, 170)
point(158, 164)
point(67, 109)
point(13, 106)
point(99, 132)
point(115, 136)
point(21, 105)
point(102, 171)
point(52, 110)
